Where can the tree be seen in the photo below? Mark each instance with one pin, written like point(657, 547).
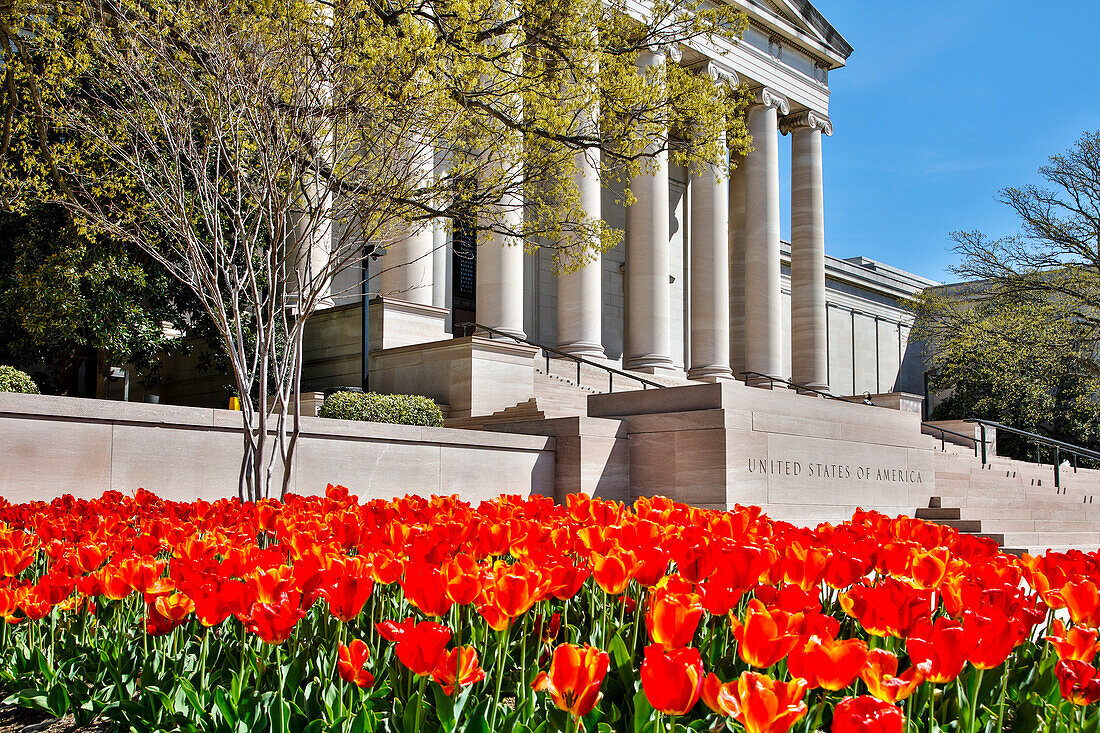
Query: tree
point(251, 132)
point(1021, 362)
point(1019, 343)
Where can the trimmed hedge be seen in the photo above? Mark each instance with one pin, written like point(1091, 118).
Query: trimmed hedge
point(13, 380)
point(398, 409)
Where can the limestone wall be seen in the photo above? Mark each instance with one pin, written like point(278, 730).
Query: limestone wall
point(58, 445)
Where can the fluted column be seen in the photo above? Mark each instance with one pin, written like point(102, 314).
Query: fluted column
point(441, 250)
point(809, 336)
point(648, 297)
point(407, 265)
point(709, 262)
point(499, 300)
point(737, 263)
point(763, 294)
point(580, 292)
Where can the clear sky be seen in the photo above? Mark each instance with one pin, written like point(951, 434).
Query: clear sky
point(943, 103)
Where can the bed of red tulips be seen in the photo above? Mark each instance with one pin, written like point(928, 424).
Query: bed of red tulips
point(324, 613)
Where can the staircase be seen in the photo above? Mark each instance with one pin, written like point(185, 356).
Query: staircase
point(559, 394)
point(1014, 502)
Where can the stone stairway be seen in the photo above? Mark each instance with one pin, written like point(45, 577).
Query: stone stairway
point(557, 393)
point(1014, 502)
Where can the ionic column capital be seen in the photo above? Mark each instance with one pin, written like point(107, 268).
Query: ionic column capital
point(719, 75)
point(768, 97)
point(806, 119)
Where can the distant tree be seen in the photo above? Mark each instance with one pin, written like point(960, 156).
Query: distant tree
point(1020, 342)
point(1018, 361)
point(69, 297)
point(250, 132)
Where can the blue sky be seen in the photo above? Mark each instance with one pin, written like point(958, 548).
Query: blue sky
point(942, 104)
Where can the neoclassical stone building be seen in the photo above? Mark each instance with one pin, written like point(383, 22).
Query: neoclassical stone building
point(701, 289)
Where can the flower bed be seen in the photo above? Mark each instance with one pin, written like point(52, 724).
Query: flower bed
point(520, 615)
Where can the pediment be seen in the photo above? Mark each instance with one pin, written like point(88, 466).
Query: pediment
point(808, 19)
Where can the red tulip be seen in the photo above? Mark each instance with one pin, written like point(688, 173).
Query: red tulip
point(1078, 682)
point(767, 635)
point(1082, 600)
point(419, 646)
point(992, 636)
point(613, 573)
point(827, 663)
point(672, 618)
point(1075, 644)
point(461, 665)
point(349, 589)
point(424, 588)
point(763, 705)
point(866, 714)
point(882, 678)
point(943, 645)
point(672, 681)
point(349, 664)
point(574, 678)
point(273, 622)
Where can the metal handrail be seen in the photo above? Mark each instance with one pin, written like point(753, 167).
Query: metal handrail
point(548, 350)
point(1058, 445)
point(829, 395)
point(800, 387)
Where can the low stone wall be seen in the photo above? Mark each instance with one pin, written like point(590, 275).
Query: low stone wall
point(58, 445)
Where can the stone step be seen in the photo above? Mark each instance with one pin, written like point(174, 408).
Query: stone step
point(938, 514)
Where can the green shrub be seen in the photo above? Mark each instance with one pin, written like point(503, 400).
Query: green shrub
point(13, 380)
point(398, 409)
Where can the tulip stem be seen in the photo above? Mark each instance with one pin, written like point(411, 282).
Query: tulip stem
point(672, 724)
point(1001, 703)
point(420, 702)
point(975, 688)
point(501, 655)
point(931, 708)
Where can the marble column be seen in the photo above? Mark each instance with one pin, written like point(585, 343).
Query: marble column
point(763, 293)
point(709, 262)
point(580, 293)
point(441, 250)
point(809, 335)
point(499, 300)
point(648, 297)
point(737, 263)
point(406, 267)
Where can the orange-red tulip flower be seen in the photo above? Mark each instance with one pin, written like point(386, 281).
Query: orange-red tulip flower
point(866, 714)
point(1076, 643)
point(1078, 682)
point(1082, 600)
point(992, 635)
point(767, 635)
point(943, 645)
point(882, 678)
point(672, 681)
point(273, 622)
point(350, 661)
point(764, 705)
point(461, 665)
point(461, 577)
point(613, 572)
point(424, 588)
point(672, 618)
point(574, 679)
point(419, 646)
point(827, 663)
point(350, 590)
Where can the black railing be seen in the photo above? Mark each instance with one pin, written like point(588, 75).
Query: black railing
point(1059, 446)
point(549, 351)
point(801, 387)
